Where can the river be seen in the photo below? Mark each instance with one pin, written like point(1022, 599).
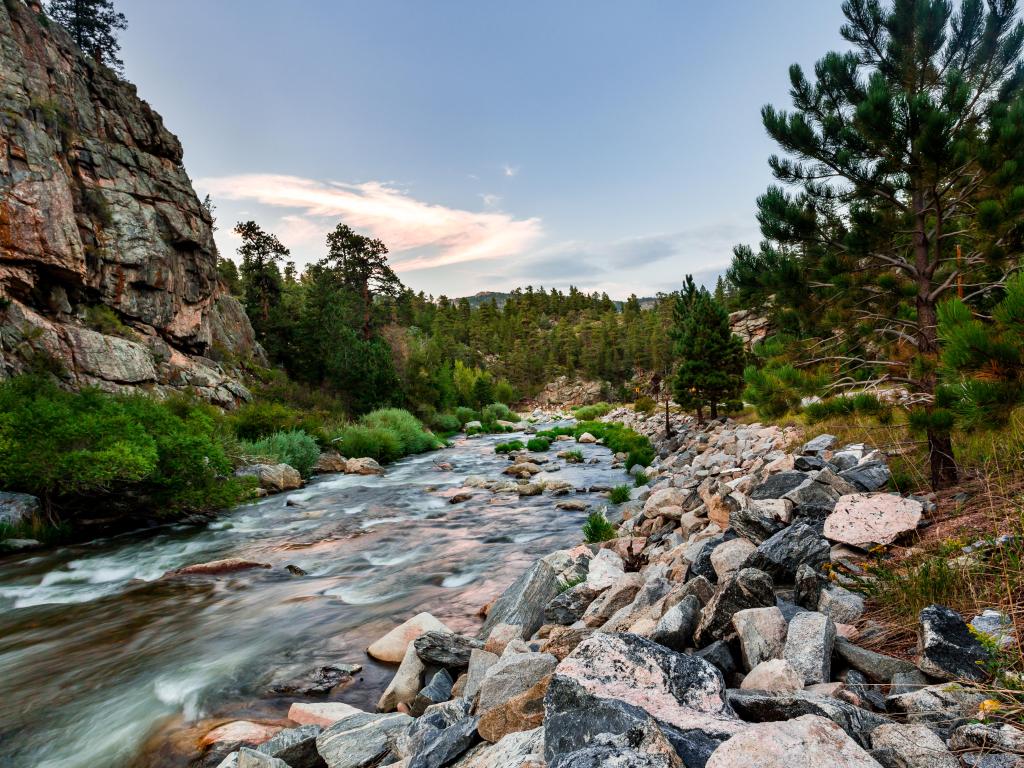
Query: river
point(105, 663)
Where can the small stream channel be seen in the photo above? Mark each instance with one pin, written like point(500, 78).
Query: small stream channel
point(105, 663)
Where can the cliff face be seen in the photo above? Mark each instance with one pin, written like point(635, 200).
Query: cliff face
point(107, 259)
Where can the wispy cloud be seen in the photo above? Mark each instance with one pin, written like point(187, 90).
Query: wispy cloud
point(510, 170)
point(419, 234)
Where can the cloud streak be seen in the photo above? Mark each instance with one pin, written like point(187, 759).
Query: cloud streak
point(420, 235)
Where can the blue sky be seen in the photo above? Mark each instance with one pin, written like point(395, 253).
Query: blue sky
point(611, 145)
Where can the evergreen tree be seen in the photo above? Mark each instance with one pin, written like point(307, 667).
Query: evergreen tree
point(711, 357)
point(898, 149)
point(93, 24)
point(362, 265)
point(262, 288)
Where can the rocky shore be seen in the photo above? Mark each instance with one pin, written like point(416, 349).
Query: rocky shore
point(717, 629)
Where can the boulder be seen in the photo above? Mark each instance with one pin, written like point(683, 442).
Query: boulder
point(18, 508)
point(807, 587)
point(750, 588)
point(819, 445)
point(320, 713)
point(319, 680)
point(912, 746)
point(524, 601)
point(329, 462)
point(360, 740)
point(675, 628)
point(517, 750)
point(941, 707)
point(729, 556)
point(570, 605)
point(759, 520)
point(946, 648)
point(773, 675)
point(809, 741)
point(240, 731)
point(809, 644)
point(762, 634)
point(217, 567)
point(445, 649)
point(997, 626)
point(438, 690)
point(877, 666)
point(586, 438)
point(605, 569)
point(867, 477)
point(782, 554)
point(981, 736)
point(250, 758)
point(613, 599)
point(405, 684)
point(363, 466)
point(513, 674)
point(442, 747)
point(840, 604)
point(720, 656)
point(778, 485)
point(563, 640)
point(273, 478)
point(392, 646)
point(646, 597)
point(868, 520)
point(769, 706)
point(522, 712)
point(479, 663)
point(295, 746)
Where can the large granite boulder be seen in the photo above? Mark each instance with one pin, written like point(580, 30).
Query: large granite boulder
point(867, 520)
point(360, 740)
point(808, 741)
point(524, 601)
point(946, 648)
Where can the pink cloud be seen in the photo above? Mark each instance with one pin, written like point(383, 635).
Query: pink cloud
point(419, 234)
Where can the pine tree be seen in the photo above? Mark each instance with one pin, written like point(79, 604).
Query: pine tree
point(711, 367)
point(93, 24)
point(361, 263)
point(261, 252)
point(903, 149)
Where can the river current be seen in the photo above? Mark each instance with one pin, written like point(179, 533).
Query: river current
point(102, 657)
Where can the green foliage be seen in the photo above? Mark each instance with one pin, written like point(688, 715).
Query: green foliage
point(538, 444)
point(411, 434)
point(640, 479)
point(776, 390)
point(504, 392)
point(597, 528)
point(79, 450)
point(620, 439)
point(445, 423)
point(591, 412)
point(575, 456)
point(645, 405)
point(93, 25)
point(497, 412)
point(619, 494)
point(103, 319)
point(564, 585)
point(261, 418)
point(510, 447)
point(295, 448)
point(358, 441)
point(862, 404)
point(466, 415)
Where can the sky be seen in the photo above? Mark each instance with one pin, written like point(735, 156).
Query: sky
point(614, 146)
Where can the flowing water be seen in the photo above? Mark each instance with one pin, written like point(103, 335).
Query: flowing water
point(100, 655)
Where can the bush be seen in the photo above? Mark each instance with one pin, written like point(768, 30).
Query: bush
point(645, 405)
point(640, 479)
point(619, 494)
point(295, 448)
point(863, 404)
point(597, 528)
point(538, 444)
point(445, 423)
point(414, 438)
point(258, 419)
point(466, 415)
point(504, 392)
point(131, 454)
point(621, 440)
point(497, 412)
point(515, 445)
point(591, 412)
point(103, 319)
point(357, 441)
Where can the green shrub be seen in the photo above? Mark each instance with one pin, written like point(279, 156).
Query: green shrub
point(134, 454)
point(597, 528)
point(294, 448)
point(645, 405)
point(414, 438)
point(640, 479)
point(357, 441)
point(619, 494)
point(103, 319)
point(621, 440)
point(466, 415)
point(863, 404)
point(497, 412)
point(515, 445)
point(261, 418)
point(504, 392)
point(445, 423)
point(591, 412)
point(574, 456)
point(538, 444)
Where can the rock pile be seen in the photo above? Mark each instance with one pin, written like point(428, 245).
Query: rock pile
point(707, 634)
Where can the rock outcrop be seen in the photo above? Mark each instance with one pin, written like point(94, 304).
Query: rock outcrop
point(108, 266)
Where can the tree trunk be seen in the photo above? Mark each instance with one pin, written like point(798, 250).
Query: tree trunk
point(714, 409)
point(668, 421)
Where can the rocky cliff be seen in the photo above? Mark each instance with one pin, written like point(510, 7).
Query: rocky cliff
point(107, 260)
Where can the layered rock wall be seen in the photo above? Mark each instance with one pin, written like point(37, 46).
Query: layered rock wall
point(96, 210)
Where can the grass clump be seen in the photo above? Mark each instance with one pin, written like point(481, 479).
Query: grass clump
point(103, 319)
point(597, 528)
point(466, 415)
point(619, 494)
point(295, 448)
point(591, 412)
point(574, 456)
point(514, 445)
point(620, 439)
point(538, 444)
point(640, 479)
point(564, 585)
point(357, 441)
point(411, 434)
point(495, 412)
point(863, 404)
point(645, 405)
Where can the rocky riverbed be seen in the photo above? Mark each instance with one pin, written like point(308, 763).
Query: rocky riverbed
point(715, 630)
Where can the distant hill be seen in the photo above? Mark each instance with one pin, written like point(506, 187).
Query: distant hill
point(646, 302)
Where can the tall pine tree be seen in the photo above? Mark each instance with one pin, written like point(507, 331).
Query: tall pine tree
point(93, 24)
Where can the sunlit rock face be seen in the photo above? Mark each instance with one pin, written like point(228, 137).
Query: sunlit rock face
point(96, 209)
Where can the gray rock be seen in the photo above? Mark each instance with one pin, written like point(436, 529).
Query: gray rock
point(809, 463)
point(439, 689)
point(840, 604)
point(819, 445)
point(762, 634)
point(360, 741)
point(870, 694)
point(750, 588)
point(479, 663)
point(980, 736)
point(443, 747)
point(569, 606)
point(769, 706)
point(982, 760)
point(868, 477)
point(250, 758)
point(319, 680)
point(698, 586)
point(272, 477)
point(812, 494)
point(946, 648)
point(446, 649)
point(720, 656)
point(701, 564)
point(513, 674)
point(778, 485)
point(522, 604)
point(782, 555)
point(911, 746)
point(752, 522)
point(295, 746)
point(524, 748)
point(941, 707)
point(18, 508)
point(675, 628)
point(997, 626)
point(809, 646)
point(877, 666)
point(807, 587)
point(905, 682)
point(809, 741)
